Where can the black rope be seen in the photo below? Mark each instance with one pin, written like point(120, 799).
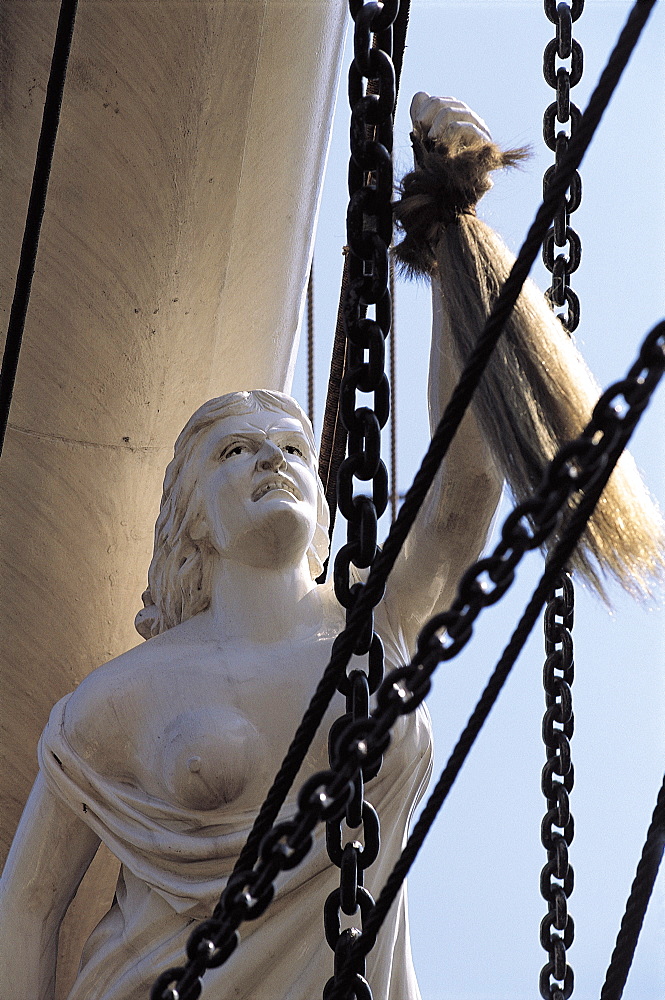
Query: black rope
point(392, 366)
point(636, 906)
point(36, 205)
point(333, 431)
point(310, 345)
point(400, 28)
point(444, 433)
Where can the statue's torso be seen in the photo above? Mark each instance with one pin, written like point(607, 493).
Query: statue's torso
point(171, 749)
point(200, 724)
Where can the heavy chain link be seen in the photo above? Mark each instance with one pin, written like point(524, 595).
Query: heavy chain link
point(369, 235)
point(556, 878)
point(562, 236)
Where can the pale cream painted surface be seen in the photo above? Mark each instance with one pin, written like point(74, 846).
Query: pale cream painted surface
point(172, 265)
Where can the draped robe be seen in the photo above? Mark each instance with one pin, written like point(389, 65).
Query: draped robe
point(175, 862)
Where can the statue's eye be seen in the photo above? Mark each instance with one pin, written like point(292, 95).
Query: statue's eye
point(236, 449)
point(293, 449)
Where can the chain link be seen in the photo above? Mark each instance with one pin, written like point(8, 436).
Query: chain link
point(369, 235)
point(556, 878)
point(561, 247)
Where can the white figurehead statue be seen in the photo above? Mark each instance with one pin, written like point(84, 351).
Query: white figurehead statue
point(166, 752)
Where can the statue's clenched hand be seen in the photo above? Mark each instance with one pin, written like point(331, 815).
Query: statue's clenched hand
point(442, 119)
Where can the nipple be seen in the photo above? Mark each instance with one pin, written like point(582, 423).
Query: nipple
point(208, 756)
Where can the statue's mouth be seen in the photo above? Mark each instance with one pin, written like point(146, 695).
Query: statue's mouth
point(276, 483)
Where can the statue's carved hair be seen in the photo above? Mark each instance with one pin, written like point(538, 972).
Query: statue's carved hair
point(179, 582)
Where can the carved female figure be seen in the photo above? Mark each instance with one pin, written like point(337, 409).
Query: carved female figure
point(166, 752)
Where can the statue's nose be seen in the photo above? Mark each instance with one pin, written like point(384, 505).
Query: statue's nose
point(270, 457)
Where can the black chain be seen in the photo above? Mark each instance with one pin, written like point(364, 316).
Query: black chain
point(556, 929)
point(556, 878)
point(563, 111)
point(369, 235)
point(327, 794)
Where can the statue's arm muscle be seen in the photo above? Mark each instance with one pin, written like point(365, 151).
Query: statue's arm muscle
point(452, 526)
point(51, 852)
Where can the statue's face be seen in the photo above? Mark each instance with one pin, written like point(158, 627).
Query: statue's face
point(258, 484)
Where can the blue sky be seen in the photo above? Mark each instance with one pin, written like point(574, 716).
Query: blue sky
point(474, 893)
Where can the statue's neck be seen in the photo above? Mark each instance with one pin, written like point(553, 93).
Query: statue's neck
point(262, 605)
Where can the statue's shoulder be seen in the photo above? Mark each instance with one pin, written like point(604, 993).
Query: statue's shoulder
point(106, 713)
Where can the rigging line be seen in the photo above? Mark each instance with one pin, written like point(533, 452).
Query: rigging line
point(636, 906)
point(444, 433)
point(333, 432)
point(400, 28)
point(392, 363)
point(558, 559)
point(36, 205)
point(482, 710)
point(310, 345)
